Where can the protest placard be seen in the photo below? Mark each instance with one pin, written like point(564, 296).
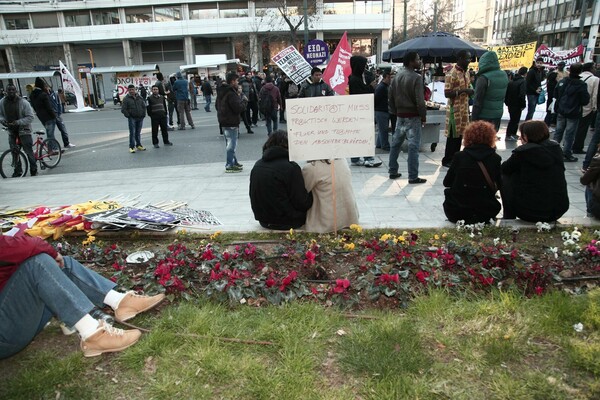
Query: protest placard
point(515, 57)
point(552, 58)
point(293, 64)
point(330, 127)
point(337, 71)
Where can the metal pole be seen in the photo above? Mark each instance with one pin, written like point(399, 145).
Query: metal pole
point(582, 21)
point(435, 16)
point(305, 22)
point(405, 35)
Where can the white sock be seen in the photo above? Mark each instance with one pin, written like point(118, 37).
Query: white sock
point(113, 298)
point(86, 326)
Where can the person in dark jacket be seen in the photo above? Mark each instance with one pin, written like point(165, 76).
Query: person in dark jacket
point(534, 187)
point(277, 194)
point(469, 196)
point(134, 109)
point(316, 87)
point(272, 114)
point(551, 82)
point(591, 178)
point(361, 82)
point(40, 101)
point(157, 110)
point(207, 92)
point(533, 82)
point(382, 114)
point(571, 95)
point(172, 100)
point(515, 101)
point(229, 107)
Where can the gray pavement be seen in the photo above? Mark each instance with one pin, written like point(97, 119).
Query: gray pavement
point(382, 203)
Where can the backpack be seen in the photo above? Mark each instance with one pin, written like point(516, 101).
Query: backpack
point(292, 90)
point(265, 103)
point(568, 105)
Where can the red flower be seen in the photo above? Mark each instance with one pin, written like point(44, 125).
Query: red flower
point(422, 276)
point(314, 290)
point(539, 290)
point(288, 280)
point(270, 282)
point(114, 279)
point(371, 257)
point(341, 285)
point(309, 258)
point(118, 267)
point(207, 255)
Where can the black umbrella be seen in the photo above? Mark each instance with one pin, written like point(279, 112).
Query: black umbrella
point(433, 47)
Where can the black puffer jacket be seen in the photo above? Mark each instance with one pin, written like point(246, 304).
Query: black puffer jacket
point(537, 178)
point(229, 106)
point(40, 101)
point(277, 192)
point(469, 196)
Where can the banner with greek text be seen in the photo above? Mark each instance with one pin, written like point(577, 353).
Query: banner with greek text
point(515, 57)
point(330, 127)
point(552, 58)
point(124, 79)
point(337, 71)
point(293, 64)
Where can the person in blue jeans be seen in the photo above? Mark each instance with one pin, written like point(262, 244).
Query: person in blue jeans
point(229, 106)
point(271, 116)
point(37, 283)
point(407, 101)
point(594, 142)
point(382, 115)
point(134, 109)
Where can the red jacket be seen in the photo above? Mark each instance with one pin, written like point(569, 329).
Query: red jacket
point(15, 250)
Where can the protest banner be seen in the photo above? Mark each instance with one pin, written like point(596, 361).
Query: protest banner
point(515, 57)
point(330, 127)
point(70, 85)
point(552, 58)
point(124, 79)
point(337, 71)
point(316, 52)
point(293, 64)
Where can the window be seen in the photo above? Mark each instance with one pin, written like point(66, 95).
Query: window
point(136, 15)
point(363, 46)
point(105, 17)
point(204, 11)
point(340, 7)
point(477, 34)
point(233, 10)
point(78, 18)
point(16, 21)
point(369, 7)
point(155, 52)
point(44, 20)
point(167, 14)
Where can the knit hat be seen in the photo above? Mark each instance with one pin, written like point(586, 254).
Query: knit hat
point(178, 75)
point(39, 83)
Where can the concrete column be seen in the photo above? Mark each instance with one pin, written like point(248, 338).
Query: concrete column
point(127, 53)
point(319, 35)
point(12, 62)
point(68, 50)
point(383, 43)
point(189, 54)
point(255, 52)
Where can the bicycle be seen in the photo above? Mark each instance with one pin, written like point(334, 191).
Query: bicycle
point(15, 164)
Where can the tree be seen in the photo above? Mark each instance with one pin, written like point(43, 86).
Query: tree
point(285, 18)
point(425, 21)
point(522, 33)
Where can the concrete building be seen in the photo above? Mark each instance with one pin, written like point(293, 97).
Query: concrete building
point(475, 20)
point(35, 34)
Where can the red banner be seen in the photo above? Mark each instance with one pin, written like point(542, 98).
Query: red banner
point(337, 71)
point(552, 58)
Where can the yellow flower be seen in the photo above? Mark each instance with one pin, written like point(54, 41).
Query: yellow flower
point(356, 228)
point(181, 232)
point(444, 235)
point(89, 240)
point(436, 236)
point(401, 238)
point(349, 246)
point(385, 237)
point(215, 235)
point(291, 231)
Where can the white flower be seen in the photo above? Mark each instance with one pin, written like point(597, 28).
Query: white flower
point(496, 241)
point(578, 327)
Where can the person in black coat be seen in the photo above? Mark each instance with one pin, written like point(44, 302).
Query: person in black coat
point(591, 178)
point(533, 178)
point(469, 196)
point(278, 197)
point(515, 101)
point(533, 82)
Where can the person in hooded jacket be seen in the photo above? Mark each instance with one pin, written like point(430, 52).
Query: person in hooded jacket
point(273, 91)
point(515, 101)
point(278, 195)
point(40, 101)
point(534, 187)
point(360, 82)
point(490, 90)
point(469, 196)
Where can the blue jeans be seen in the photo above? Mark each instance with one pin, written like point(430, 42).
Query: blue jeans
point(409, 129)
point(383, 121)
point(135, 130)
point(231, 138)
point(568, 127)
point(50, 127)
point(63, 130)
point(271, 119)
point(40, 289)
point(594, 141)
point(532, 100)
point(208, 99)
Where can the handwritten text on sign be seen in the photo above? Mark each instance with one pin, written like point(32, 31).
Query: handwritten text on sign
point(330, 127)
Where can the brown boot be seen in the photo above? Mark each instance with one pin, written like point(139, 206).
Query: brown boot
point(133, 304)
point(108, 339)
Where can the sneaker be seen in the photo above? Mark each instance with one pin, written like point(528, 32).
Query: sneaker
point(181, 128)
point(358, 163)
point(69, 146)
point(395, 176)
point(108, 339)
point(34, 173)
point(447, 165)
point(170, 128)
point(17, 174)
point(141, 148)
point(133, 304)
point(250, 131)
point(168, 144)
point(233, 168)
point(156, 146)
point(570, 159)
point(132, 150)
point(239, 165)
point(372, 163)
point(417, 180)
point(193, 127)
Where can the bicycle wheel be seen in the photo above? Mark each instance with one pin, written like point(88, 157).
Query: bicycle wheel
point(13, 164)
point(50, 153)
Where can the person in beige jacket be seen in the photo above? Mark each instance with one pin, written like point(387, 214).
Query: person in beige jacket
point(318, 179)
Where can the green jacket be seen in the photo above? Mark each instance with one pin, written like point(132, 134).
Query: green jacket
point(490, 91)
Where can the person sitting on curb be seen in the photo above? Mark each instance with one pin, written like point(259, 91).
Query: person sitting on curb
point(534, 187)
point(474, 177)
point(278, 197)
point(37, 282)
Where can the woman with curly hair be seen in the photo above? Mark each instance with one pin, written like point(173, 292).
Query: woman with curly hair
point(474, 177)
point(534, 187)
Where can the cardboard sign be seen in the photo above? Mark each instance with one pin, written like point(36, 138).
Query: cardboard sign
point(293, 64)
point(337, 71)
point(316, 52)
point(515, 57)
point(552, 58)
point(330, 127)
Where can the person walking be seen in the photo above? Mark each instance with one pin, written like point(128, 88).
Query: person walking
point(172, 101)
point(407, 101)
point(457, 89)
point(571, 95)
point(588, 113)
point(382, 115)
point(490, 90)
point(40, 101)
point(134, 109)
point(269, 103)
point(182, 95)
point(60, 124)
point(63, 100)
point(16, 115)
point(193, 91)
point(207, 92)
point(229, 106)
point(533, 82)
point(515, 101)
point(157, 110)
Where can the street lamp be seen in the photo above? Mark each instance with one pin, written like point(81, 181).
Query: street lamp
point(86, 80)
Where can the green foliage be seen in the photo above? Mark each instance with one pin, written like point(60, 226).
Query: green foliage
point(522, 33)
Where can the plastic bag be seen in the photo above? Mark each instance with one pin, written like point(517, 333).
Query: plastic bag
point(542, 97)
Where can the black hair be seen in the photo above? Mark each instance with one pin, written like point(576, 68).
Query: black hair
point(159, 76)
point(268, 78)
point(522, 71)
point(315, 70)
point(232, 76)
point(277, 138)
point(131, 86)
point(463, 54)
point(410, 57)
point(575, 69)
point(588, 66)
